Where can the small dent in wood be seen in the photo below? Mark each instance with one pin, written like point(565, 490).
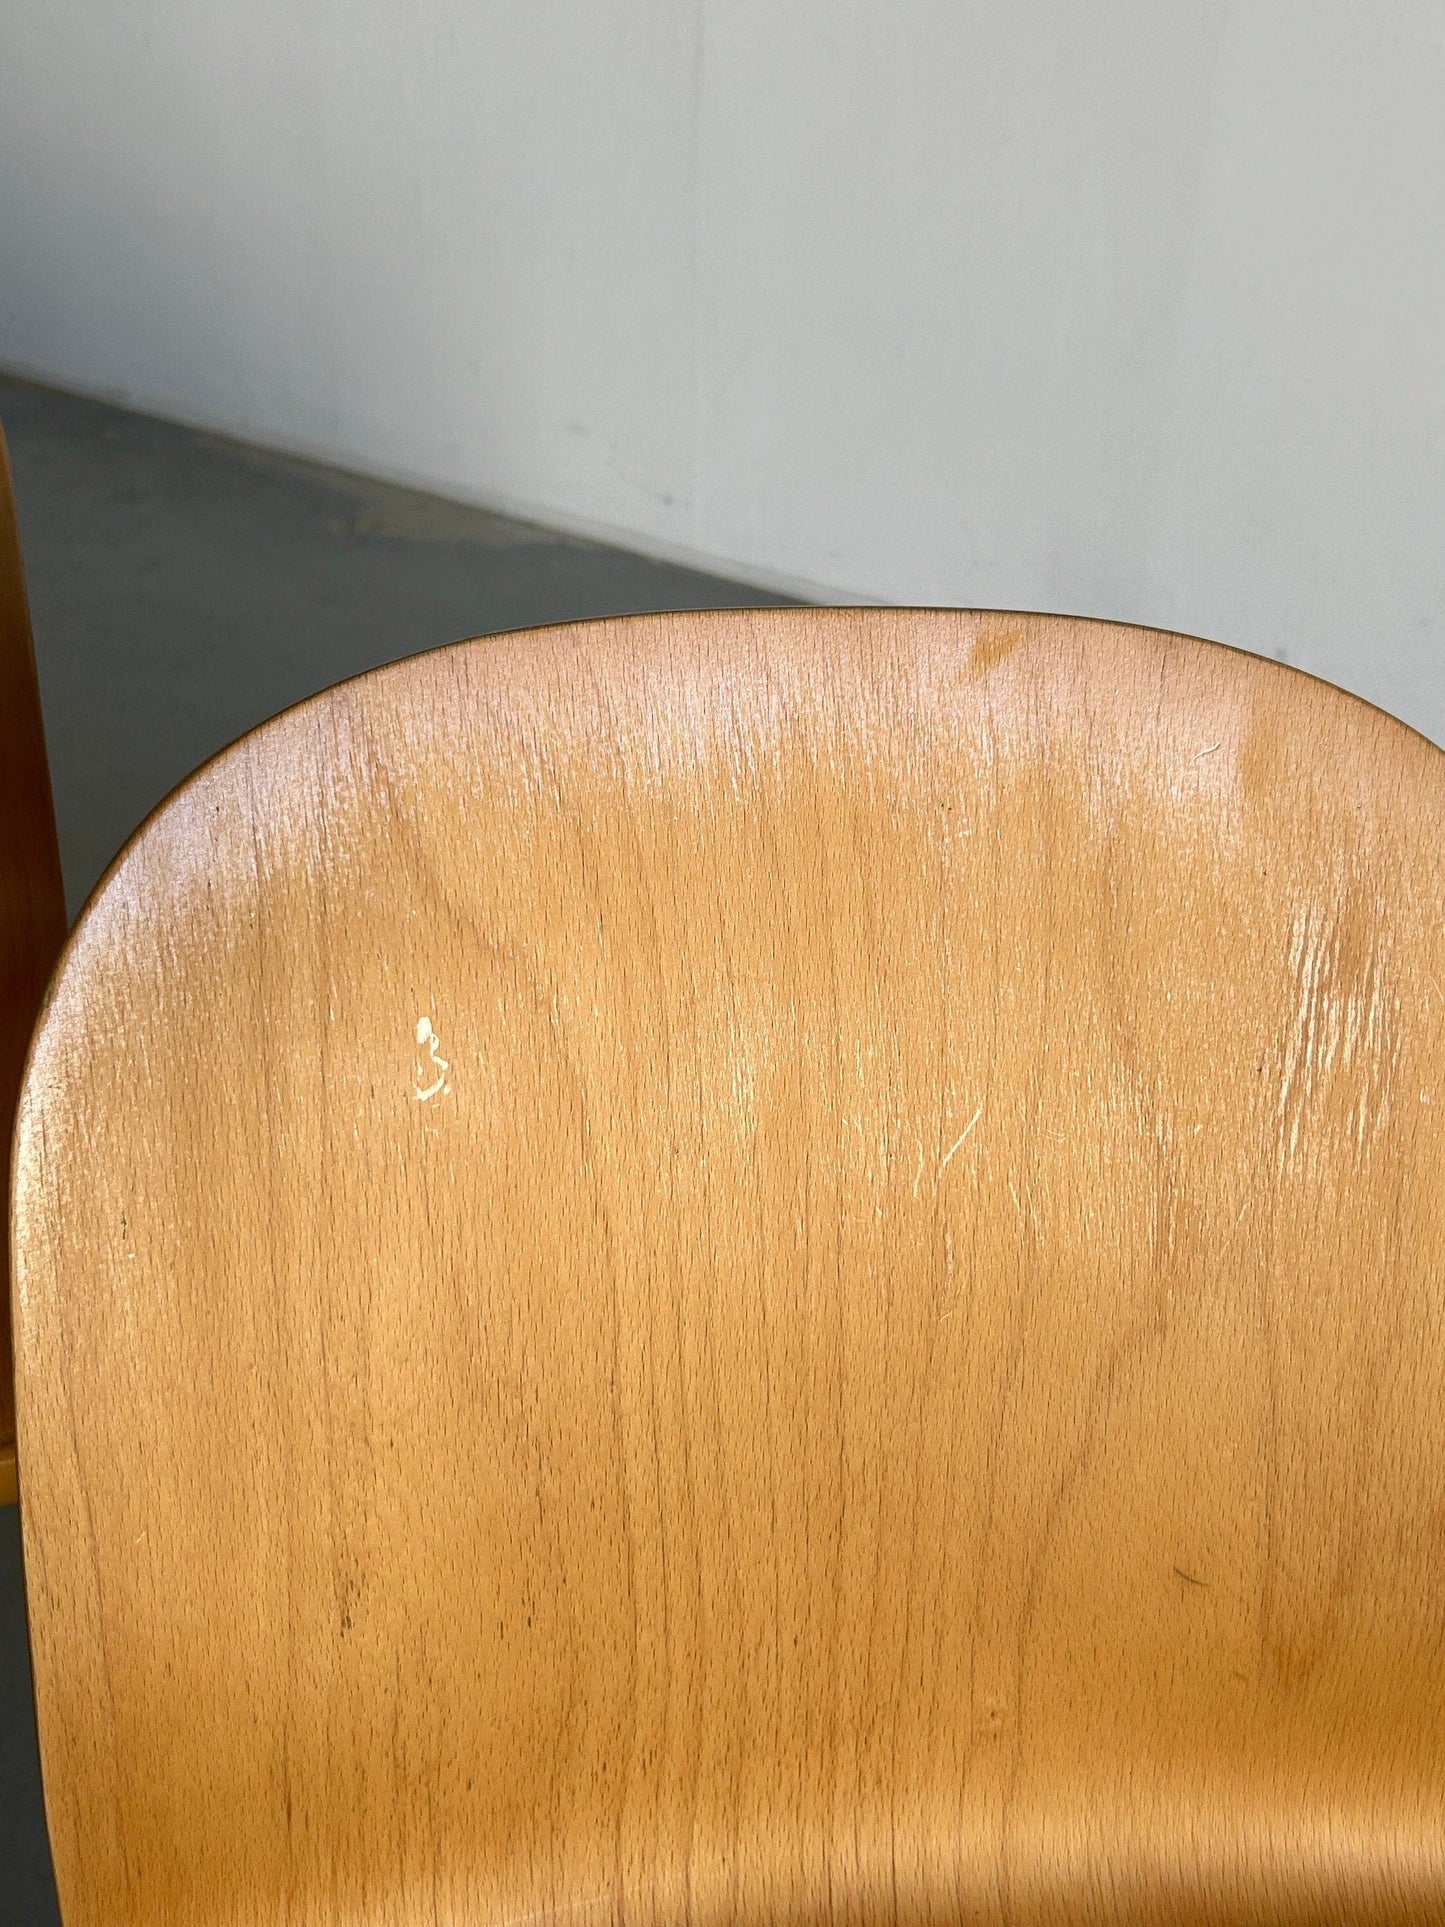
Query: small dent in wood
point(995, 642)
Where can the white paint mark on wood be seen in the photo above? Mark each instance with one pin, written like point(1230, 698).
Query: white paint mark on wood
point(431, 1078)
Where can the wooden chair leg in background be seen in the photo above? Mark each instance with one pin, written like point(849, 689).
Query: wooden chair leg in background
point(32, 898)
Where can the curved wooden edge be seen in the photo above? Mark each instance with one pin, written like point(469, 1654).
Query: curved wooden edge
point(1272, 668)
point(9, 1479)
point(1053, 1661)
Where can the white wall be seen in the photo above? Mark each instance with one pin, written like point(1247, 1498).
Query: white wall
point(1130, 309)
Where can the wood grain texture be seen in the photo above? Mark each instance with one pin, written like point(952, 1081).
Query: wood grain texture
point(769, 1267)
point(32, 899)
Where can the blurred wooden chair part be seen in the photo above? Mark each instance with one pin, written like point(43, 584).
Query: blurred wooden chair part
point(762, 1267)
point(32, 900)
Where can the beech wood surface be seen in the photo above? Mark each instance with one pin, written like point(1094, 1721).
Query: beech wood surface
point(779, 1266)
point(32, 899)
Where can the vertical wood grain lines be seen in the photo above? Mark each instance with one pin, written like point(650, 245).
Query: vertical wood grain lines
point(771, 1266)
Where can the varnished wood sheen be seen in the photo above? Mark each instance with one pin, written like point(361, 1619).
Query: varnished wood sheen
point(32, 901)
point(773, 1267)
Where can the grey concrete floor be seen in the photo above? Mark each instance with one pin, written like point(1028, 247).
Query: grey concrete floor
point(183, 589)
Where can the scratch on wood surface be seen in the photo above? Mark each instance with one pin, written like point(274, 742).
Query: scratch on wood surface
point(539, 1914)
point(1342, 1029)
point(959, 1142)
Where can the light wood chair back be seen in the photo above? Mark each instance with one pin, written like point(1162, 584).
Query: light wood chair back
point(32, 899)
point(761, 1267)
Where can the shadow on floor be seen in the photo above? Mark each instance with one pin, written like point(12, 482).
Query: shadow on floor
point(27, 1891)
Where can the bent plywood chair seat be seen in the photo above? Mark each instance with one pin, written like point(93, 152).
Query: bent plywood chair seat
point(750, 1268)
point(32, 900)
